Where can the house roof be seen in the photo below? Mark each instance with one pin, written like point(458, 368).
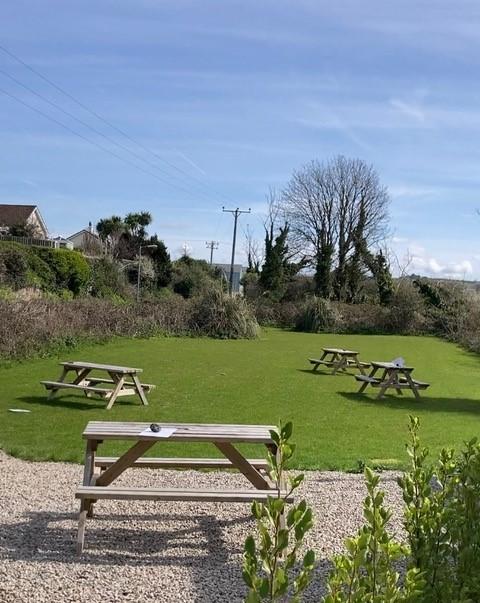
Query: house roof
point(84, 231)
point(12, 215)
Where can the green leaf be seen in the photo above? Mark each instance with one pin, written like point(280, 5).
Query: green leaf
point(287, 430)
point(250, 547)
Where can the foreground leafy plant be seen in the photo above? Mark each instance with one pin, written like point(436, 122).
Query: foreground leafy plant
point(270, 567)
point(443, 522)
point(367, 572)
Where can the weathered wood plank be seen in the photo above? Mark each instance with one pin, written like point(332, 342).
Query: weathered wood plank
point(101, 367)
point(240, 462)
point(178, 494)
point(179, 463)
point(124, 461)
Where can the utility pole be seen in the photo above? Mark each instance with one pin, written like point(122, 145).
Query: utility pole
point(211, 245)
point(236, 213)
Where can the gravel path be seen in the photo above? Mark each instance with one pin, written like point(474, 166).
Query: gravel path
point(168, 552)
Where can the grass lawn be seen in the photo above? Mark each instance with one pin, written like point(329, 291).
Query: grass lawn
point(261, 381)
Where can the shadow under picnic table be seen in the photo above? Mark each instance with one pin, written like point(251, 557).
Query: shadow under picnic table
point(194, 543)
point(408, 402)
point(44, 537)
point(72, 401)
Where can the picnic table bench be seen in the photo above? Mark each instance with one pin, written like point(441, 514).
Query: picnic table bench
point(393, 376)
point(125, 381)
point(100, 472)
point(339, 360)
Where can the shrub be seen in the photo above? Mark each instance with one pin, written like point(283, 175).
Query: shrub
point(367, 571)
point(443, 522)
point(316, 315)
point(70, 268)
point(406, 314)
point(106, 279)
point(13, 268)
point(439, 563)
point(218, 314)
point(268, 566)
point(192, 277)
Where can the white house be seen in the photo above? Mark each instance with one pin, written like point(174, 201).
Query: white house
point(86, 240)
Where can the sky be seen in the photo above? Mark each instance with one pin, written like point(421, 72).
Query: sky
point(222, 100)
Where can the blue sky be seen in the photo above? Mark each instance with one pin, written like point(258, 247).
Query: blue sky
point(236, 95)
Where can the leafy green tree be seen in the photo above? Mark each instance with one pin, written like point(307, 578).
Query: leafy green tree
point(110, 231)
point(162, 264)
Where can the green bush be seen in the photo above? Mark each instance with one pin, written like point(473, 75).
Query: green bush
point(442, 520)
point(317, 315)
point(439, 563)
point(192, 277)
point(217, 314)
point(13, 268)
point(70, 268)
point(107, 279)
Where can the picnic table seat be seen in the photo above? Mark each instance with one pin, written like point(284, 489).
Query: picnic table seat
point(102, 391)
point(179, 494)
point(367, 379)
point(147, 387)
point(179, 463)
point(402, 383)
point(318, 361)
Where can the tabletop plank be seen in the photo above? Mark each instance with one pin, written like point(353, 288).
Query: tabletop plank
point(391, 365)
point(340, 351)
point(106, 430)
point(101, 367)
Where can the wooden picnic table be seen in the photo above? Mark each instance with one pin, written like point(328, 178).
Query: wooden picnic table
point(100, 472)
point(392, 376)
point(123, 381)
point(339, 360)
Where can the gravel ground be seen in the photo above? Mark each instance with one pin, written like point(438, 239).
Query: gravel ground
point(145, 551)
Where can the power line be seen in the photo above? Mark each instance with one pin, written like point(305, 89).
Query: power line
point(96, 144)
point(236, 213)
point(103, 119)
point(85, 124)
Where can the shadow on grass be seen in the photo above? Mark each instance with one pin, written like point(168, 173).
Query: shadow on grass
point(197, 544)
point(408, 402)
point(73, 402)
point(327, 373)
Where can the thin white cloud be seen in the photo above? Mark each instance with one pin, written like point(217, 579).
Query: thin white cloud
point(408, 109)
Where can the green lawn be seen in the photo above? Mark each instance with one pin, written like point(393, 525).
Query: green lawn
point(261, 381)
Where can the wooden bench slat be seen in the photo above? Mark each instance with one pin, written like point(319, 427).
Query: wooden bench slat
point(366, 379)
point(314, 361)
point(153, 462)
point(89, 388)
point(102, 367)
point(94, 380)
point(179, 494)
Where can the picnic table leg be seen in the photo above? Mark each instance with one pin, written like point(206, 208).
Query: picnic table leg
point(364, 385)
point(409, 379)
point(86, 505)
point(119, 381)
point(139, 388)
point(322, 357)
point(61, 379)
point(388, 383)
point(240, 462)
point(81, 375)
point(336, 362)
point(359, 366)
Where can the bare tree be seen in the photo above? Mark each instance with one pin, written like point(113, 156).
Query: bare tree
point(334, 210)
point(252, 250)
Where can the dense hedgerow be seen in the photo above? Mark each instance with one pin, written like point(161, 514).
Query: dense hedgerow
point(40, 326)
